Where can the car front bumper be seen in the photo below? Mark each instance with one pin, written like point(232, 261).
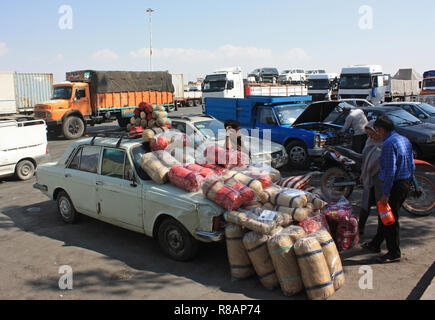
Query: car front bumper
point(214, 236)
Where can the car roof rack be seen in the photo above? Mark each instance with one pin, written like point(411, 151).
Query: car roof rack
point(121, 136)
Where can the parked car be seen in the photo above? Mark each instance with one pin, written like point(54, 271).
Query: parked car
point(358, 102)
point(292, 76)
point(23, 145)
point(102, 178)
point(421, 135)
point(206, 128)
point(425, 112)
point(265, 75)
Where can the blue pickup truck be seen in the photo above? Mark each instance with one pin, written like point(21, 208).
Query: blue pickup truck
point(292, 123)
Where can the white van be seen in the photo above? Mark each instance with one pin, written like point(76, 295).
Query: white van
point(23, 144)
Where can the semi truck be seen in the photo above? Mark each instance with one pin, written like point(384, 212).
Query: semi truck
point(427, 86)
point(185, 97)
point(320, 86)
point(404, 86)
point(20, 92)
point(93, 97)
point(228, 83)
point(363, 82)
point(290, 122)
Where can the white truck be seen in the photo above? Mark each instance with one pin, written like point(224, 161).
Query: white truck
point(185, 97)
point(404, 86)
point(363, 82)
point(20, 92)
point(23, 145)
point(228, 83)
point(320, 86)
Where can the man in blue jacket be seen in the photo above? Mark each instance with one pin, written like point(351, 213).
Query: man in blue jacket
point(396, 171)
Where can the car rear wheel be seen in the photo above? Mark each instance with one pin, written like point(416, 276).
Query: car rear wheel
point(66, 208)
point(176, 241)
point(25, 170)
point(298, 155)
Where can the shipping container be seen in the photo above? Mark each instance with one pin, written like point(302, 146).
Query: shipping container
point(20, 92)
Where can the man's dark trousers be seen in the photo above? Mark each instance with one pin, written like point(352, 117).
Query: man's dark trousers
point(391, 234)
point(359, 142)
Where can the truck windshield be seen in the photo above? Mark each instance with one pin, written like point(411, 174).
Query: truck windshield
point(62, 93)
point(318, 84)
point(428, 83)
point(214, 84)
point(355, 81)
point(210, 129)
point(288, 114)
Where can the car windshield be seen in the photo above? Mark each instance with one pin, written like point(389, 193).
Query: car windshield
point(210, 129)
point(288, 114)
point(62, 93)
point(428, 83)
point(137, 154)
point(318, 84)
point(355, 81)
point(286, 72)
point(429, 109)
point(402, 118)
point(273, 71)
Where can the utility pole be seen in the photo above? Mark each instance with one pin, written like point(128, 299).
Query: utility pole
point(150, 11)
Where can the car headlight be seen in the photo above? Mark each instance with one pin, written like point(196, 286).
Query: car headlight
point(317, 140)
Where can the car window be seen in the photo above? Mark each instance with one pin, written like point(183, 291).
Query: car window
point(89, 159)
point(266, 117)
point(75, 163)
point(113, 163)
point(409, 109)
point(181, 126)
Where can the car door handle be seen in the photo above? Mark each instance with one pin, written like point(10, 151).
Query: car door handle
point(67, 175)
point(99, 183)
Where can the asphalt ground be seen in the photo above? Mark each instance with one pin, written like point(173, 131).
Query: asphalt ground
point(112, 263)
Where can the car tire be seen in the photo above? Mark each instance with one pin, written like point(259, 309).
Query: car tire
point(66, 208)
point(73, 128)
point(176, 241)
point(25, 170)
point(298, 155)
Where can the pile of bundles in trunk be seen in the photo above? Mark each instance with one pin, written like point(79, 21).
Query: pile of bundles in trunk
point(148, 116)
point(286, 242)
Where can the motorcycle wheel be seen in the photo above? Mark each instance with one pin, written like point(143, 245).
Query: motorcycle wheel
point(425, 204)
point(332, 176)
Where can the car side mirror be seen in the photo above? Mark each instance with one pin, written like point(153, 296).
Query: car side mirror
point(419, 84)
point(230, 85)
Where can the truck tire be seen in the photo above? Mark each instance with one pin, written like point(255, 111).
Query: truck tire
point(176, 241)
point(197, 103)
point(190, 103)
point(73, 128)
point(298, 155)
point(66, 208)
point(25, 170)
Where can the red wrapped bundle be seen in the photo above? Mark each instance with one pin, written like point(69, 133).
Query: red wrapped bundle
point(205, 172)
point(248, 195)
point(160, 142)
point(227, 158)
point(226, 197)
point(185, 179)
point(219, 170)
point(309, 225)
point(166, 126)
point(137, 113)
point(265, 179)
point(347, 235)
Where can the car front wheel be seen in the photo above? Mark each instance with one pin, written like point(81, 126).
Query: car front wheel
point(66, 208)
point(176, 241)
point(298, 155)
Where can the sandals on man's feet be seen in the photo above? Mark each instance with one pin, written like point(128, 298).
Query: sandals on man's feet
point(366, 245)
point(388, 259)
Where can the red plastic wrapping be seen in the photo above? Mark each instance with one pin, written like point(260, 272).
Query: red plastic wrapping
point(160, 142)
point(185, 179)
point(219, 170)
point(310, 226)
point(265, 179)
point(347, 235)
point(248, 195)
point(205, 172)
point(227, 158)
point(222, 194)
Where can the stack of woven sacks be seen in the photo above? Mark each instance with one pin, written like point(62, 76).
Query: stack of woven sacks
point(272, 239)
point(149, 116)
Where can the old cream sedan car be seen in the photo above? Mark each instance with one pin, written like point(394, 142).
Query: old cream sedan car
point(101, 177)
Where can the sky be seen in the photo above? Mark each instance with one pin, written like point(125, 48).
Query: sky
point(196, 38)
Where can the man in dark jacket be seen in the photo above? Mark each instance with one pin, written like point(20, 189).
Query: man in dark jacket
point(396, 171)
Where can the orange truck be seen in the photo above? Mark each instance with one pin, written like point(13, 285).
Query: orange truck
point(94, 97)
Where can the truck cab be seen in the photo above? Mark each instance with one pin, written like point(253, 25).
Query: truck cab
point(284, 120)
point(225, 83)
point(427, 86)
point(320, 86)
point(363, 82)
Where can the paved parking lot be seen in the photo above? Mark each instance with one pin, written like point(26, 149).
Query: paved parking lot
point(112, 263)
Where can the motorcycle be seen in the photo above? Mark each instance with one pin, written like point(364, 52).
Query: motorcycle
point(343, 171)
